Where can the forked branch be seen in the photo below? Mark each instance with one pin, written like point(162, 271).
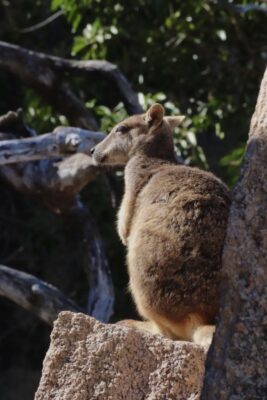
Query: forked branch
point(46, 74)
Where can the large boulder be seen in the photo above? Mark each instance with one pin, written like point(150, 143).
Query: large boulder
point(89, 360)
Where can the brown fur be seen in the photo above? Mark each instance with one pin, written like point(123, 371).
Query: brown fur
point(173, 220)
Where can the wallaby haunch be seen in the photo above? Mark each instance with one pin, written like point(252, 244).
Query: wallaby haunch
point(173, 220)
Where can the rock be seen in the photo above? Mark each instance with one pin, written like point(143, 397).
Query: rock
point(89, 360)
point(236, 363)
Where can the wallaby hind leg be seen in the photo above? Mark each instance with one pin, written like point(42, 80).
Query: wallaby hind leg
point(191, 328)
point(149, 326)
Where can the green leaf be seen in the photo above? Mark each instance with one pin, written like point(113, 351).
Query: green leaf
point(76, 22)
point(55, 4)
point(79, 44)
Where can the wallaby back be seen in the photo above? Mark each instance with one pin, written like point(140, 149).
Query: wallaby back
point(173, 219)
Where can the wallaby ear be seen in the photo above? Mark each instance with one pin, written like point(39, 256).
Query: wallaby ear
point(154, 115)
point(176, 121)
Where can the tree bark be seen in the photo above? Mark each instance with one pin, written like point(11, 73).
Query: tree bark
point(84, 233)
point(236, 362)
point(56, 184)
point(34, 165)
point(62, 142)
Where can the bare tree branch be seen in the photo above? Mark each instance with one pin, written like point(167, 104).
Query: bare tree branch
point(105, 70)
point(56, 184)
point(45, 74)
point(36, 70)
point(84, 231)
point(62, 142)
point(33, 28)
point(52, 178)
point(242, 8)
point(89, 245)
point(29, 292)
point(41, 24)
point(90, 252)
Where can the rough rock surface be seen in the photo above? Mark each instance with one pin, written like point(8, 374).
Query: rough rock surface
point(236, 363)
point(89, 360)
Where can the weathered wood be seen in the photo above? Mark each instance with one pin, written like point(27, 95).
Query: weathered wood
point(56, 184)
point(236, 363)
point(36, 71)
point(45, 74)
point(100, 302)
point(90, 253)
point(53, 181)
point(62, 142)
point(33, 294)
point(50, 177)
point(106, 70)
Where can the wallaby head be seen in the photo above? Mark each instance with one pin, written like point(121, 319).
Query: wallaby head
point(149, 134)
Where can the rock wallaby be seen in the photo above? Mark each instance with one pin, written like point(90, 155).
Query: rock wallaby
point(173, 221)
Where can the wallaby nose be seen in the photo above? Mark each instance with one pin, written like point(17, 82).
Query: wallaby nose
point(92, 150)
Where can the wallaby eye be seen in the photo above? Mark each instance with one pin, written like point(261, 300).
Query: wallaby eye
point(122, 129)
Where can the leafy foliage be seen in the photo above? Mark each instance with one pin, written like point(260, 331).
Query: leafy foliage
point(40, 115)
point(231, 162)
point(204, 57)
point(184, 137)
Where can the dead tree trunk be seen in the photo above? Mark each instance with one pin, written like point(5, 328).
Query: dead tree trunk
point(47, 76)
point(56, 184)
point(236, 363)
point(54, 181)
